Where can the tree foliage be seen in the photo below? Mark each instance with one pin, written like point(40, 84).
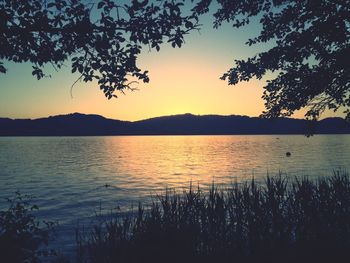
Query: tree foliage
point(102, 39)
point(308, 56)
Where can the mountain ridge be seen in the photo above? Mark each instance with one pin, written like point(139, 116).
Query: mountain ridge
point(78, 124)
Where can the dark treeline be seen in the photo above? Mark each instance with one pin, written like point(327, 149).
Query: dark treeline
point(186, 124)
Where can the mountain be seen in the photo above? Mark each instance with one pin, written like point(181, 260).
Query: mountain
point(77, 124)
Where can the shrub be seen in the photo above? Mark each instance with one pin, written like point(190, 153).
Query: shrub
point(22, 237)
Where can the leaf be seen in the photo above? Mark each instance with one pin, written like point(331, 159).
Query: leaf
point(100, 4)
point(188, 24)
point(2, 68)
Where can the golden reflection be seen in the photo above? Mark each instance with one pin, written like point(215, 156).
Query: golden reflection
point(155, 162)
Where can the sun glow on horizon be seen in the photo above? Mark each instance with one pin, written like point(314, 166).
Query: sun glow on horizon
point(182, 80)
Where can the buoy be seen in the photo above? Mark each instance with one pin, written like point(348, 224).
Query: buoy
point(288, 154)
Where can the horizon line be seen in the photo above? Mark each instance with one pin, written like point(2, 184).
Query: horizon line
point(159, 116)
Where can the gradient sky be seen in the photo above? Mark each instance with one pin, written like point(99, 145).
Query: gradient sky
point(182, 80)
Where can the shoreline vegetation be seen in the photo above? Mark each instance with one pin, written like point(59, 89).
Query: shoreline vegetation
point(279, 220)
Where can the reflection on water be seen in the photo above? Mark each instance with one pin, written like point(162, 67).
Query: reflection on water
point(126, 168)
point(71, 176)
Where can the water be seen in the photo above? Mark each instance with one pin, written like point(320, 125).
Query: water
point(73, 177)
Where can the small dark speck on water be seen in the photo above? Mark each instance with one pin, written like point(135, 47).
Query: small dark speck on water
point(288, 154)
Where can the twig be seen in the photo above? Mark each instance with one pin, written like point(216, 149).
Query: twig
point(75, 82)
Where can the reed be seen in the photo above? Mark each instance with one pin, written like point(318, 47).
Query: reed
point(278, 220)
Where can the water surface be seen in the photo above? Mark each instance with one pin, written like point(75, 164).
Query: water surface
point(72, 177)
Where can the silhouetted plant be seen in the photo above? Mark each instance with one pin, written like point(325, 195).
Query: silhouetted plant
point(102, 39)
point(308, 43)
point(22, 236)
point(301, 220)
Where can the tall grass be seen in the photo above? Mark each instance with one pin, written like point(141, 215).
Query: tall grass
point(280, 220)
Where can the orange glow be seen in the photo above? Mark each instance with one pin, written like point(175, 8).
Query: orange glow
point(178, 85)
point(184, 80)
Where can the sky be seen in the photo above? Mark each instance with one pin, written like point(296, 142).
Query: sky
point(182, 80)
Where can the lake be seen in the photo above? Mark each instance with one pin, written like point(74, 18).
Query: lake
point(73, 177)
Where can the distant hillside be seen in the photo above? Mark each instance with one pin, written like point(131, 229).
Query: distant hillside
point(77, 124)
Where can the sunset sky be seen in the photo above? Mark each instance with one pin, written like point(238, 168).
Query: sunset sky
point(182, 80)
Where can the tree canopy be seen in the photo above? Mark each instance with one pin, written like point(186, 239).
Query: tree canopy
point(101, 39)
point(310, 55)
point(308, 58)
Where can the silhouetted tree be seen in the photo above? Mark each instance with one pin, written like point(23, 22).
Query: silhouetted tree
point(308, 55)
point(102, 38)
